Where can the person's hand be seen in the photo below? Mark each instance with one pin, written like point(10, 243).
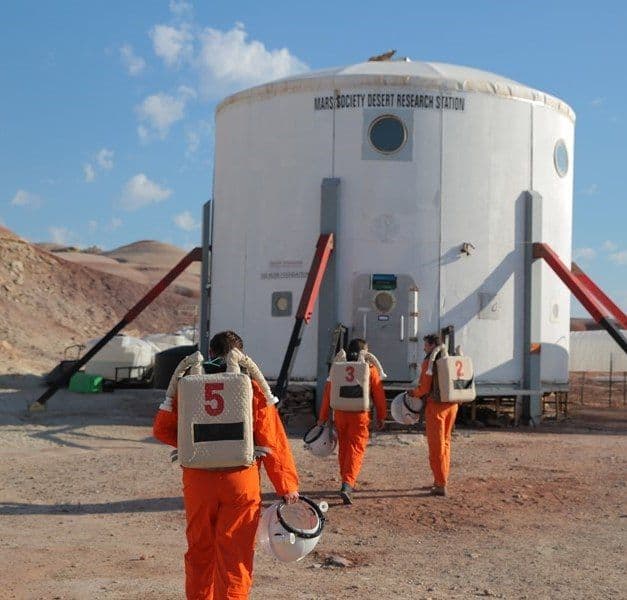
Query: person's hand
point(380, 425)
point(320, 422)
point(291, 498)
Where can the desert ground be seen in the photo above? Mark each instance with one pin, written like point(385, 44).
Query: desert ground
point(91, 508)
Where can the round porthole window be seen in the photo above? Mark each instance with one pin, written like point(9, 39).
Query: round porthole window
point(384, 302)
point(282, 303)
point(387, 134)
point(560, 158)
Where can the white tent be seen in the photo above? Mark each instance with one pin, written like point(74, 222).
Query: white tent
point(592, 351)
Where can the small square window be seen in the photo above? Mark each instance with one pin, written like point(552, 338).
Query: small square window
point(281, 304)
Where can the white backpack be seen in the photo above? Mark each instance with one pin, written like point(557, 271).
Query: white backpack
point(350, 386)
point(215, 421)
point(350, 381)
point(455, 377)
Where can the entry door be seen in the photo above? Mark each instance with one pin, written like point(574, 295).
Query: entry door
point(385, 314)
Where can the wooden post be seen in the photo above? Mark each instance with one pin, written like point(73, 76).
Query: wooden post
point(611, 368)
point(583, 381)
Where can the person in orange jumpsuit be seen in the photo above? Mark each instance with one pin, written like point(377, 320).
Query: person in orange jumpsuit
point(352, 427)
point(222, 507)
point(439, 421)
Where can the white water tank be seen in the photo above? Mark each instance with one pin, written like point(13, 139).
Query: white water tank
point(433, 163)
point(163, 341)
point(125, 352)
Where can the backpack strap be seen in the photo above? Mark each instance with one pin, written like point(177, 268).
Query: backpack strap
point(190, 365)
point(371, 359)
point(438, 352)
point(236, 359)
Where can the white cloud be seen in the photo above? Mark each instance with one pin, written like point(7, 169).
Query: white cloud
point(193, 141)
point(194, 135)
point(159, 112)
point(186, 93)
point(228, 60)
point(105, 159)
point(591, 190)
point(173, 45)
point(609, 246)
point(134, 64)
point(619, 258)
point(24, 198)
point(140, 191)
point(584, 253)
point(186, 222)
point(60, 235)
point(180, 8)
point(114, 224)
point(89, 173)
point(596, 102)
point(143, 133)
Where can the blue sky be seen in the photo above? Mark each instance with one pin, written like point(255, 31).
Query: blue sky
point(106, 110)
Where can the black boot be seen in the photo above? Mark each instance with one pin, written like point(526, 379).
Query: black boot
point(346, 492)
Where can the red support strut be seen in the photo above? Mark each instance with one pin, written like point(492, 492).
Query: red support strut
point(324, 247)
point(598, 293)
point(583, 292)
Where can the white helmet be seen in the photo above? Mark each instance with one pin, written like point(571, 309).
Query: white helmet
point(405, 409)
point(320, 440)
point(289, 532)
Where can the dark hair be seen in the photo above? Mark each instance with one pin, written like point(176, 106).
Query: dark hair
point(433, 339)
point(222, 343)
point(355, 346)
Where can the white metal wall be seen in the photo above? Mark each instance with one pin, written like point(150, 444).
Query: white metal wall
point(557, 214)
point(594, 350)
point(270, 161)
point(464, 184)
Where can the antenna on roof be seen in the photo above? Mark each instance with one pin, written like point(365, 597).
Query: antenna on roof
point(382, 57)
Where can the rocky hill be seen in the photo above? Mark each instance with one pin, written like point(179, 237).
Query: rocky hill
point(49, 301)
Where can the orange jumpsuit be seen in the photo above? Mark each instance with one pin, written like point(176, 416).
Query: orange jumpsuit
point(439, 420)
point(352, 428)
point(222, 506)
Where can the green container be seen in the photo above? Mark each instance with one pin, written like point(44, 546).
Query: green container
point(85, 384)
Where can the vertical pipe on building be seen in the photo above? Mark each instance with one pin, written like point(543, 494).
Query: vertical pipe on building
point(327, 299)
point(205, 277)
point(532, 348)
point(441, 196)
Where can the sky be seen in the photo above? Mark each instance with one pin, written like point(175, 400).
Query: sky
point(107, 107)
